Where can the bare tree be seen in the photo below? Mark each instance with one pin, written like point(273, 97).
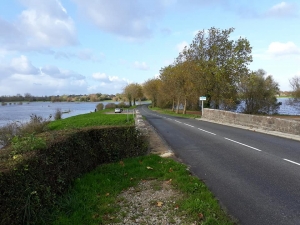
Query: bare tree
point(295, 85)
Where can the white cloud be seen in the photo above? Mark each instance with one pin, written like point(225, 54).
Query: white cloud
point(44, 24)
point(100, 76)
point(83, 54)
point(181, 46)
point(140, 65)
point(282, 9)
point(107, 84)
point(55, 72)
point(131, 19)
point(283, 49)
point(19, 65)
point(41, 84)
point(23, 66)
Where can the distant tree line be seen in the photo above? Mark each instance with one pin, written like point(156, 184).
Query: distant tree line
point(61, 98)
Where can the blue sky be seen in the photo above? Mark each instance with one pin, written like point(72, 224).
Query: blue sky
point(57, 47)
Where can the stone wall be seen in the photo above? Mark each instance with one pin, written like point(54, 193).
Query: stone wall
point(252, 121)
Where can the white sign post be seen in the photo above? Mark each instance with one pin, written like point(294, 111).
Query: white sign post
point(202, 98)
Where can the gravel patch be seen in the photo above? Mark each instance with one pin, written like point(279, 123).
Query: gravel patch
point(151, 202)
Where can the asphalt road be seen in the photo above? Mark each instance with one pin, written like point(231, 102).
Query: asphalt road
point(255, 176)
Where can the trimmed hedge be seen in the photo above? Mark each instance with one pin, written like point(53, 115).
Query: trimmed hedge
point(32, 186)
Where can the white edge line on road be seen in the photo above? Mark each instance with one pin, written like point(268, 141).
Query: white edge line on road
point(243, 144)
point(292, 162)
point(206, 131)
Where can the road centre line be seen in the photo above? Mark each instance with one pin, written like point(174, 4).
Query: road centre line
point(206, 131)
point(292, 162)
point(243, 144)
point(188, 125)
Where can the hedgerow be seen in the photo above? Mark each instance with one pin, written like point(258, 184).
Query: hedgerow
point(31, 181)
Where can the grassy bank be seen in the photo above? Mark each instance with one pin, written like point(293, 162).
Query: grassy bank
point(94, 197)
point(189, 114)
point(67, 183)
point(100, 118)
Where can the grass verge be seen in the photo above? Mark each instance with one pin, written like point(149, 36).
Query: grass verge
point(92, 200)
point(189, 114)
point(92, 119)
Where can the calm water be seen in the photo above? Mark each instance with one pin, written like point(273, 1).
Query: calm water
point(14, 112)
point(10, 113)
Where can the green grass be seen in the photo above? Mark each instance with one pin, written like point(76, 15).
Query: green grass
point(92, 119)
point(92, 200)
point(170, 112)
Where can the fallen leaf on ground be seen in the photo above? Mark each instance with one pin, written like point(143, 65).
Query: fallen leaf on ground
point(169, 181)
point(159, 204)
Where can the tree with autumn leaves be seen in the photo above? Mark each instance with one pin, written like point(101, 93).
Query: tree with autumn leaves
point(213, 66)
point(133, 92)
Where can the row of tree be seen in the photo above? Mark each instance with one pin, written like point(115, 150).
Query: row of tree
point(216, 67)
point(61, 98)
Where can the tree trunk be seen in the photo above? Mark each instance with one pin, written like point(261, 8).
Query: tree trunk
point(177, 107)
point(173, 105)
point(184, 108)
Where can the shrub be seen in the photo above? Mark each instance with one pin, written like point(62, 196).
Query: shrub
point(37, 178)
point(36, 125)
point(8, 131)
point(110, 106)
point(122, 105)
point(58, 114)
point(100, 107)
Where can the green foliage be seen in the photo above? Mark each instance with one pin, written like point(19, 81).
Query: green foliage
point(212, 66)
point(88, 202)
point(170, 112)
point(258, 91)
point(28, 143)
point(30, 182)
point(36, 124)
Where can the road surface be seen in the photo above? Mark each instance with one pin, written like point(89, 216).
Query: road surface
point(255, 176)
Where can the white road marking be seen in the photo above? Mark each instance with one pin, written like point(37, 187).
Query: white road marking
point(292, 162)
point(243, 144)
point(178, 121)
point(188, 125)
point(206, 131)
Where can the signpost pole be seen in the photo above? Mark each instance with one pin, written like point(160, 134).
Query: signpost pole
point(202, 98)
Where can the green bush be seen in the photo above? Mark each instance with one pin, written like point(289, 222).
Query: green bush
point(31, 182)
point(36, 124)
point(100, 107)
point(110, 106)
